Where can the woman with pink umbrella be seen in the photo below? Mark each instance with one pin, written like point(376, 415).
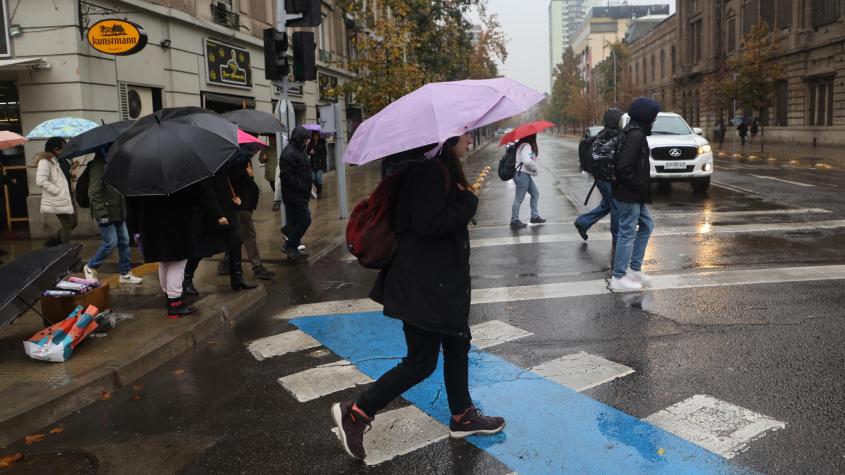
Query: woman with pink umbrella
point(527, 154)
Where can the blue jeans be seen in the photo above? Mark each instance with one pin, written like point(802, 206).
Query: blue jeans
point(317, 175)
point(114, 234)
point(524, 184)
point(635, 226)
point(607, 205)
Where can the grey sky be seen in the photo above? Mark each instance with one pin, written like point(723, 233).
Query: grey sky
point(526, 23)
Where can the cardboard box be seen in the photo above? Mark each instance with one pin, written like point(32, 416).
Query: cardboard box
point(56, 309)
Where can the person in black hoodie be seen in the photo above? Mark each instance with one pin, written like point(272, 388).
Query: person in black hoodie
point(296, 179)
point(632, 193)
point(427, 286)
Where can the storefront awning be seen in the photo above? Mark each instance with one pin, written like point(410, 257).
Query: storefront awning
point(23, 63)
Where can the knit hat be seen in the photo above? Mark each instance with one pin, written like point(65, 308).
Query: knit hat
point(644, 110)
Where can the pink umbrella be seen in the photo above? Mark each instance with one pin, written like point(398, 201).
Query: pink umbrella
point(250, 143)
point(435, 112)
point(10, 139)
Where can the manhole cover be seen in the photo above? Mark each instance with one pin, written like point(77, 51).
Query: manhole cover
point(58, 462)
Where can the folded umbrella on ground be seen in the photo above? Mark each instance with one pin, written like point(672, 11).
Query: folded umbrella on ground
point(256, 122)
point(169, 150)
point(100, 137)
point(24, 280)
point(65, 127)
point(436, 112)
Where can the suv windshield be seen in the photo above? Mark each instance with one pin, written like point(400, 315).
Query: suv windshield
point(669, 125)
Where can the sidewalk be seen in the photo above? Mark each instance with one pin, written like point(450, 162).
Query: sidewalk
point(797, 155)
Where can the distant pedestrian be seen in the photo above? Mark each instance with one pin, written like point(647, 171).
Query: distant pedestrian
point(632, 193)
point(604, 151)
point(526, 169)
point(270, 158)
point(743, 131)
point(755, 129)
point(53, 177)
point(719, 132)
point(427, 286)
point(317, 158)
point(296, 180)
point(108, 208)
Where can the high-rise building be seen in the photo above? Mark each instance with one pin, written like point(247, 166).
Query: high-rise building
point(565, 16)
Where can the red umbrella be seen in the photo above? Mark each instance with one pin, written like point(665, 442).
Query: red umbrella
point(525, 130)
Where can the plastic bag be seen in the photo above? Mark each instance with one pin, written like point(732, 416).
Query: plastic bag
point(56, 343)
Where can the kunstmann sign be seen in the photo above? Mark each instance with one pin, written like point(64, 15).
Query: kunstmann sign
point(118, 37)
point(227, 65)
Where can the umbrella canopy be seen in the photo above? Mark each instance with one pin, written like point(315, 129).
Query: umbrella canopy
point(312, 127)
point(249, 143)
point(435, 112)
point(256, 122)
point(95, 139)
point(65, 127)
point(525, 130)
point(24, 280)
point(170, 150)
point(10, 139)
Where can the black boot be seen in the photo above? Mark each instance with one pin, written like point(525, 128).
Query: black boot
point(176, 308)
point(236, 275)
point(319, 191)
point(188, 280)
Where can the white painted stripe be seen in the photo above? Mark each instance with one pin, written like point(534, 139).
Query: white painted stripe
point(734, 188)
point(495, 332)
point(281, 344)
point(772, 275)
point(716, 425)
point(807, 185)
point(581, 371)
point(323, 380)
point(400, 432)
point(663, 231)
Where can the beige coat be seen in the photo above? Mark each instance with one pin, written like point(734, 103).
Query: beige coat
point(55, 194)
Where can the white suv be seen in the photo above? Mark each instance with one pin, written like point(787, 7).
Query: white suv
point(678, 152)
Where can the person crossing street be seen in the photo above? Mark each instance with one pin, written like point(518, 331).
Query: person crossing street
point(296, 179)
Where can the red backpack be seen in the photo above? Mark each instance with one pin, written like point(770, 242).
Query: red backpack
point(369, 235)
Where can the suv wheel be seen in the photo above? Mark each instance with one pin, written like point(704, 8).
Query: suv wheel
point(700, 185)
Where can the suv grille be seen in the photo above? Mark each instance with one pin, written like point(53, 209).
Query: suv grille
point(662, 169)
point(663, 153)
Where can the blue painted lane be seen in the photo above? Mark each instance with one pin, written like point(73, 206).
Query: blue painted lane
point(551, 428)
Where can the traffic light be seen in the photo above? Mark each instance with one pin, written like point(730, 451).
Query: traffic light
point(310, 9)
point(304, 60)
point(276, 64)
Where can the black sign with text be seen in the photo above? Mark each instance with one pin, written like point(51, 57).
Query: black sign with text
point(227, 65)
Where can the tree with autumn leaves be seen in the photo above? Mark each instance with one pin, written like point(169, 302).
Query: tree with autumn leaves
point(568, 104)
point(402, 44)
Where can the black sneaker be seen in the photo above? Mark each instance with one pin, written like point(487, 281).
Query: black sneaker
point(537, 220)
point(474, 422)
point(294, 254)
point(262, 273)
point(351, 426)
point(518, 224)
point(581, 230)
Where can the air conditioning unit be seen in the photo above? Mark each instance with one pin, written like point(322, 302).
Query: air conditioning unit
point(135, 101)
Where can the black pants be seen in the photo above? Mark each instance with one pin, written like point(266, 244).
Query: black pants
point(233, 253)
point(298, 220)
point(423, 350)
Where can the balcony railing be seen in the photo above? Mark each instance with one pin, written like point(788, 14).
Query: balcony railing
point(224, 16)
point(325, 56)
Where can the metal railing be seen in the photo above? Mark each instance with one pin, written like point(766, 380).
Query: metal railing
point(224, 16)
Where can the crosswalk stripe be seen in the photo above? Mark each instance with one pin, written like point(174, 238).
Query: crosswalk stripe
point(323, 380)
point(771, 275)
point(281, 344)
point(495, 332)
point(399, 432)
point(663, 231)
point(718, 426)
point(581, 371)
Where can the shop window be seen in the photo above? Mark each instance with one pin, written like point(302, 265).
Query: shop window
point(825, 12)
point(820, 101)
point(782, 104)
point(222, 103)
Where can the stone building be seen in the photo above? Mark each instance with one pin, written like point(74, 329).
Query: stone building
point(49, 70)
point(653, 64)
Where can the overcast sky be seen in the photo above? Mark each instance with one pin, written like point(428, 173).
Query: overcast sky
point(526, 23)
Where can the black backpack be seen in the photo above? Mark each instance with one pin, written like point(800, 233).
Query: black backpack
point(507, 164)
point(585, 153)
point(604, 153)
point(81, 193)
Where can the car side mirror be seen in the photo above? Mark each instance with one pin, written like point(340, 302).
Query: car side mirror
point(698, 131)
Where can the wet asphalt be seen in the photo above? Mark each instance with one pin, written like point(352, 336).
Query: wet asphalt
point(775, 349)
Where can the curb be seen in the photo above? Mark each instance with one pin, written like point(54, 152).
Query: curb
point(44, 409)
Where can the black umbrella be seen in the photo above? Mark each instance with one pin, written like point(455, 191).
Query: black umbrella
point(170, 150)
point(24, 280)
point(255, 122)
point(95, 139)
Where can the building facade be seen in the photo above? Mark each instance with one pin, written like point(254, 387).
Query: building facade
point(653, 65)
point(51, 70)
point(565, 16)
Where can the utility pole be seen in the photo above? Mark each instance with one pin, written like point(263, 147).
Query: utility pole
point(615, 88)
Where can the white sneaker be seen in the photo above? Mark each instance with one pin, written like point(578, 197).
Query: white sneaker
point(625, 284)
point(131, 278)
point(301, 247)
point(639, 276)
point(90, 274)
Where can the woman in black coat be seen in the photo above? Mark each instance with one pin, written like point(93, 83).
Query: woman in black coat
point(427, 286)
point(317, 156)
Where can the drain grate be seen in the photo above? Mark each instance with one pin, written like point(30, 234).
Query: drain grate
point(57, 462)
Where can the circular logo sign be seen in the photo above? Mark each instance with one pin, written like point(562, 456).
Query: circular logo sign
point(118, 37)
point(675, 152)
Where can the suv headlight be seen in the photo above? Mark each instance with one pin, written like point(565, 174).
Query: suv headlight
point(704, 149)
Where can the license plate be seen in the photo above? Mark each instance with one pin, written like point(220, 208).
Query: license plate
point(675, 165)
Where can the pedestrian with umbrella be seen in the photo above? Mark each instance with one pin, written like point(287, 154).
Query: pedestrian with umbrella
point(527, 154)
point(53, 176)
point(261, 123)
point(160, 164)
point(427, 282)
